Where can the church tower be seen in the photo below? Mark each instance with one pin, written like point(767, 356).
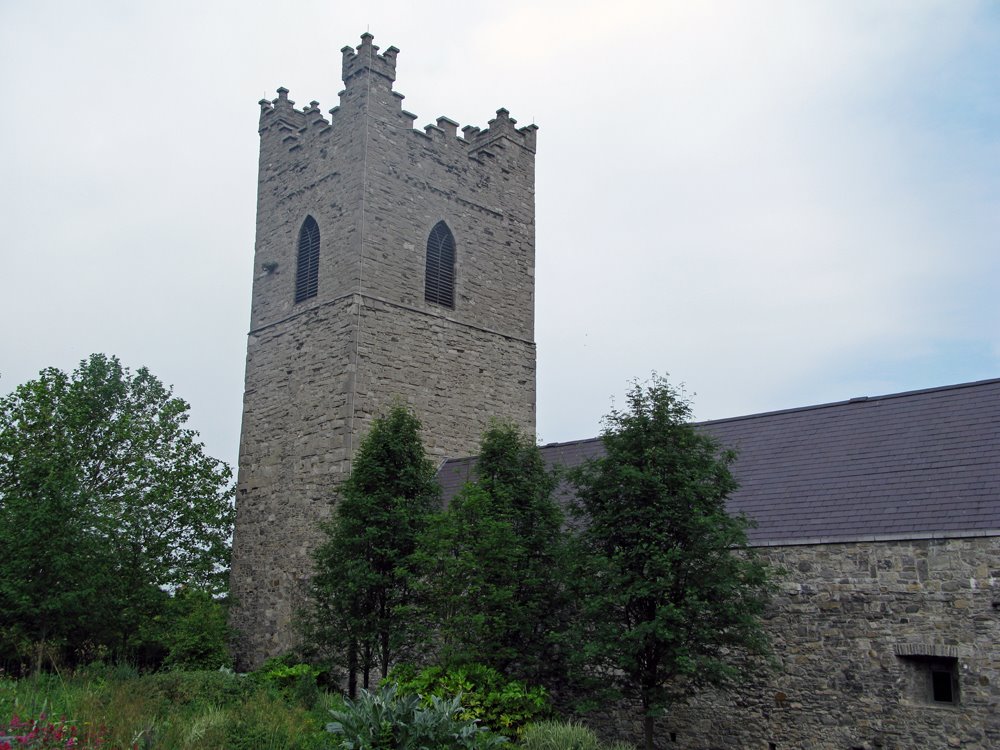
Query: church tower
point(390, 264)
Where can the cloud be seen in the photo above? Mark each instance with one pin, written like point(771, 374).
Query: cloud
point(779, 203)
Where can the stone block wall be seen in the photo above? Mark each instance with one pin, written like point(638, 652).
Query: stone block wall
point(855, 629)
point(319, 370)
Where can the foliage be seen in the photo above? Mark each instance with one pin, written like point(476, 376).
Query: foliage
point(105, 498)
point(363, 573)
point(492, 563)
point(671, 596)
point(294, 681)
point(197, 687)
point(501, 704)
point(169, 711)
point(43, 733)
point(561, 735)
point(197, 633)
point(384, 719)
point(284, 675)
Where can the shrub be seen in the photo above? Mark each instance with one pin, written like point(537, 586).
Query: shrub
point(487, 696)
point(295, 681)
point(196, 634)
point(385, 720)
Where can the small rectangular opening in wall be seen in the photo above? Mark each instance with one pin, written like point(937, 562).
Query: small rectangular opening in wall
point(930, 680)
point(941, 684)
point(772, 746)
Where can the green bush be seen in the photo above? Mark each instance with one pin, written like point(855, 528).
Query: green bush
point(385, 720)
point(486, 695)
point(196, 634)
point(295, 681)
point(559, 735)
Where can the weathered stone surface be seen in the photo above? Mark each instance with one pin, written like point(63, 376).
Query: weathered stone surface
point(319, 370)
point(850, 627)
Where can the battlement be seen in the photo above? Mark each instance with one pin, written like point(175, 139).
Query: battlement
point(365, 59)
point(501, 126)
point(280, 115)
point(350, 313)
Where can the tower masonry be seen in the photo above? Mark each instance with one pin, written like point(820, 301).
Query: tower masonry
point(391, 264)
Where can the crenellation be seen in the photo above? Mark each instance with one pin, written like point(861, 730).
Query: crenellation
point(450, 127)
point(365, 59)
point(319, 369)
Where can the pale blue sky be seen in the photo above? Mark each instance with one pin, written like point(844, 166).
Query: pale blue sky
point(778, 203)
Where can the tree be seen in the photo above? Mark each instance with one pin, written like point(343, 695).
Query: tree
point(492, 563)
point(197, 631)
point(105, 500)
point(671, 594)
point(363, 574)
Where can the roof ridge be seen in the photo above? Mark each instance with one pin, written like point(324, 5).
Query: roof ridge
point(570, 442)
point(854, 400)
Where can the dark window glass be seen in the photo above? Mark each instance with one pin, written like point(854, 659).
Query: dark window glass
point(941, 682)
point(439, 280)
point(307, 271)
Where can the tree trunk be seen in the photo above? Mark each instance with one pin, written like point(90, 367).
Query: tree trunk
point(647, 730)
point(647, 721)
point(367, 666)
point(385, 654)
point(352, 670)
point(39, 656)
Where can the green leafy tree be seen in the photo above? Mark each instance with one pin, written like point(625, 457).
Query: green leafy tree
point(363, 575)
point(671, 596)
point(493, 563)
point(197, 632)
point(105, 499)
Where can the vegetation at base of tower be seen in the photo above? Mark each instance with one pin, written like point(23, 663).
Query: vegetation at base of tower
point(114, 707)
point(195, 632)
point(498, 702)
point(492, 585)
point(106, 501)
point(671, 596)
point(390, 720)
point(364, 574)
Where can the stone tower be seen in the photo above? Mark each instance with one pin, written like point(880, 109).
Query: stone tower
point(390, 263)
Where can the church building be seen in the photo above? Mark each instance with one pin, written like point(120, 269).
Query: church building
point(395, 264)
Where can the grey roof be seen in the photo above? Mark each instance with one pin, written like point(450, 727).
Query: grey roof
point(921, 464)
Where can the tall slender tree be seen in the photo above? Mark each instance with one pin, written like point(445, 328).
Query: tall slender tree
point(492, 562)
point(671, 596)
point(363, 570)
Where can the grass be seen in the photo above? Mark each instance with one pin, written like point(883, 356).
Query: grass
point(562, 735)
point(171, 710)
point(205, 711)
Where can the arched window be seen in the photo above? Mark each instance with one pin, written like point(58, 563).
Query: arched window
point(307, 272)
point(439, 280)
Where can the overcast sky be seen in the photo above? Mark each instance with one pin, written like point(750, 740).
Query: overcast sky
point(777, 203)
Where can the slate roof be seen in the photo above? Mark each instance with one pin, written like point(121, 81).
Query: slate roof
point(920, 464)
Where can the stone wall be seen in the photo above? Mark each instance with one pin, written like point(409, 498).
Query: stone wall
point(858, 629)
point(319, 370)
